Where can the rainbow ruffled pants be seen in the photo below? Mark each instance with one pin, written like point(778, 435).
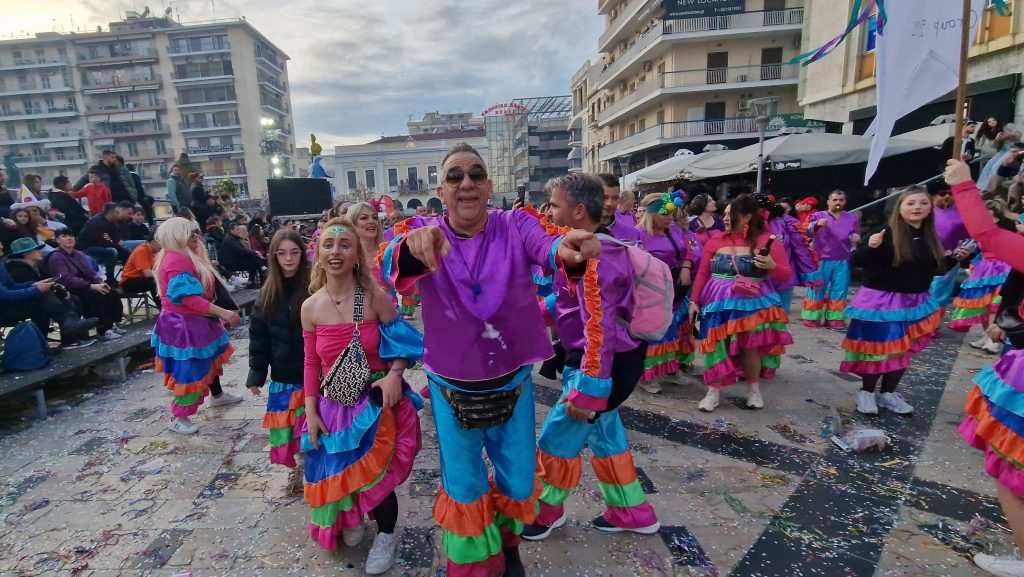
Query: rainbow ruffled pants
point(824, 305)
point(479, 516)
point(561, 441)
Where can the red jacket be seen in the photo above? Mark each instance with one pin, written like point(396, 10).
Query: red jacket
point(98, 195)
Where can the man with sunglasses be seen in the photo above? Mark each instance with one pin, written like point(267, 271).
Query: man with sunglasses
point(483, 331)
point(952, 234)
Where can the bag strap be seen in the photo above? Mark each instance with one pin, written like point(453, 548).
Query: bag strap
point(609, 238)
point(675, 247)
point(357, 305)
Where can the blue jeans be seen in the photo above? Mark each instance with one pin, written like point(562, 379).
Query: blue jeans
point(131, 245)
point(106, 257)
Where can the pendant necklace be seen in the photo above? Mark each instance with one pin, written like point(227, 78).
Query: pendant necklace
point(473, 276)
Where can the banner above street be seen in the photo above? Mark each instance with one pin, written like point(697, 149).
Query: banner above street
point(680, 9)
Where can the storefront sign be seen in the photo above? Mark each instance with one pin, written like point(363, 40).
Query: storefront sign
point(787, 164)
point(506, 109)
point(679, 9)
point(211, 148)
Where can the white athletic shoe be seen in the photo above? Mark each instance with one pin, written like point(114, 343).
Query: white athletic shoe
point(110, 335)
point(354, 536)
point(118, 330)
point(225, 398)
point(1010, 566)
point(895, 403)
point(754, 398)
point(993, 347)
point(382, 553)
point(710, 402)
point(651, 387)
point(980, 343)
point(866, 403)
point(183, 426)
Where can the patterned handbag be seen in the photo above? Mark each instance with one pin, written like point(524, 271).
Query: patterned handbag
point(350, 373)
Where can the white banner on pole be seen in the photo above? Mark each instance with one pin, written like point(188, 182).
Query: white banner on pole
point(918, 61)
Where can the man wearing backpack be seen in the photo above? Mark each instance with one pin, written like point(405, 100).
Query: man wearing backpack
point(603, 362)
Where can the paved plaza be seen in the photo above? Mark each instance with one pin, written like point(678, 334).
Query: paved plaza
point(103, 489)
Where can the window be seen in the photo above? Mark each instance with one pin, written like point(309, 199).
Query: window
point(641, 124)
point(161, 147)
point(871, 37)
point(393, 178)
point(371, 180)
point(412, 178)
point(432, 175)
point(352, 180)
point(133, 150)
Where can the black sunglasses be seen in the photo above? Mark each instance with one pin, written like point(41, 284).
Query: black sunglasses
point(455, 176)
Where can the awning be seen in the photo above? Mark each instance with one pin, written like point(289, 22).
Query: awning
point(576, 154)
point(62, 144)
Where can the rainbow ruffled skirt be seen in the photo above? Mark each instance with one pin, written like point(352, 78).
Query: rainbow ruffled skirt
point(191, 351)
point(979, 295)
point(887, 329)
point(995, 420)
point(284, 418)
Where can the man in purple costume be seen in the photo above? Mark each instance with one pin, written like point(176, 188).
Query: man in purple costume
point(602, 366)
point(482, 332)
point(952, 232)
point(621, 226)
point(834, 233)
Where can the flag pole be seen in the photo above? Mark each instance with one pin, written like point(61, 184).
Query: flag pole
point(961, 89)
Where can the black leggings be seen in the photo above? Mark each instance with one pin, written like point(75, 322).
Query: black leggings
point(889, 380)
point(215, 388)
point(386, 514)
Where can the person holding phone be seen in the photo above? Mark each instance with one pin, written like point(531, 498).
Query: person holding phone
point(83, 281)
point(191, 344)
point(360, 437)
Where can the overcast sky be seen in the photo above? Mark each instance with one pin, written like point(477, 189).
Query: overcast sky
point(359, 69)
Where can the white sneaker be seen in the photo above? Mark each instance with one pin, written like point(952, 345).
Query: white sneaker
point(1010, 566)
point(354, 536)
point(754, 399)
point(866, 403)
point(225, 398)
point(895, 403)
point(710, 402)
point(993, 347)
point(118, 330)
point(382, 554)
point(183, 426)
point(110, 335)
point(651, 387)
point(980, 343)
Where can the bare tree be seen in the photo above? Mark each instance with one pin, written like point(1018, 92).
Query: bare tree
point(361, 194)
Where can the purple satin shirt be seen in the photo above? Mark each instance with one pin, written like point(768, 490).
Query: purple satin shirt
point(950, 228)
point(832, 241)
point(661, 247)
point(787, 231)
point(623, 227)
point(502, 329)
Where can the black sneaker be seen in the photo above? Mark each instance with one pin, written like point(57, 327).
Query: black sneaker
point(539, 532)
point(513, 564)
point(602, 524)
point(77, 344)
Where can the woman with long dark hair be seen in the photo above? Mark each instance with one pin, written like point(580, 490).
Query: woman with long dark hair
point(704, 221)
point(994, 422)
point(893, 315)
point(741, 319)
point(275, 341)
point(360, 436)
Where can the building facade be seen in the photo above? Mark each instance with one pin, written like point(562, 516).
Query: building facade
point(676, 74)
point(841, 87)
point(149, 89)
point(436, 122)
point(406, 168)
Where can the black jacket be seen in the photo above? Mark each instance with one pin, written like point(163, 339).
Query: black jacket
point(910, 277)
point(92, 234)
point(276, 341)
point(232, 252)
point(74, 215)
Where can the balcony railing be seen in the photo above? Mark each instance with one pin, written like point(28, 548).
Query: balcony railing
point(732, 22)
point(122, 81)
point(202, 47)
point(24, 87)
point(34, 159)
point(270, 59)
point(216, 149)
point(621, 20)
point(694, 129)
point(219, 74)
point(36, 63)
point(119, 56)
point(711, 77)
point(38, 111)
point(132, 106)
point(129, 129)
point(208, 125)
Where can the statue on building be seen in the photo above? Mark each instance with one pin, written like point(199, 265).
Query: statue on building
point(316, 166)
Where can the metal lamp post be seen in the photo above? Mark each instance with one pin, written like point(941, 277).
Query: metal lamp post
point(270, 147)
point(765, 108)
point(624, 163)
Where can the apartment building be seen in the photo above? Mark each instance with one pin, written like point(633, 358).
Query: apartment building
point(149, 89)
point(680, 74)
point(406, 168)
point(841, 87)
point(528, 139)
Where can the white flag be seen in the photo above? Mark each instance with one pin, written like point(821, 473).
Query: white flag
point(918, 61)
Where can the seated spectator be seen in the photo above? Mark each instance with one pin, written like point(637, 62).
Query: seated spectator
point(235, 255)
point(64, 201)
point(101, 240)
point(134, 232)
point(26, 294)
point(137, 276)
point(258, 236)
point(76, 273)
point(96, 194)
point(215, 230)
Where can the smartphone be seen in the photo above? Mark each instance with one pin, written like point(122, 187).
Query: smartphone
point(56, 278)
point(522, 196)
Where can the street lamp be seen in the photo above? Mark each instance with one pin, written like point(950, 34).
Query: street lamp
point(277, 172)
point(624, 163)
point(765, 108)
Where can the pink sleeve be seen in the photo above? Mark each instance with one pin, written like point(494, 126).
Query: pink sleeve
point(1005, 245)
point(783, 271)
point(196, 304)
point(704, 270)
point(311, 371)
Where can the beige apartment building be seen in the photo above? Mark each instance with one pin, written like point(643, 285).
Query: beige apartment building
point(841, 86)
point(149, 89)
point(678, 74)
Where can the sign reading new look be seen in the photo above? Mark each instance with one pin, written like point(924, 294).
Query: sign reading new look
point(678, 9)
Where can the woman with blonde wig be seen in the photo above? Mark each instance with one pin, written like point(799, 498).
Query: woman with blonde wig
point(189, 338)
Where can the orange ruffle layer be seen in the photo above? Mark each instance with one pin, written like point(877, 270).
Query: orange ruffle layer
point(990, 429)
point(284, 418)
point(550, 228)
point(181, 390)
point(594, 332)
point(524, 511)
point(463, 519)
point(737, 326)
point(362, 472)
point(616, 470)
point(559, 471)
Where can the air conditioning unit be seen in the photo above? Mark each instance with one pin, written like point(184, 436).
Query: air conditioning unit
point(741, 78)
point(622, 85)
point(623, 45)
point(743, 105)
point(648, 65)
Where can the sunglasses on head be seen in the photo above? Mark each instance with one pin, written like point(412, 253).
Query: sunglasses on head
point(455, 176)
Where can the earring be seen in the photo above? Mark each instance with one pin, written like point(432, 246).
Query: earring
point(746, 230)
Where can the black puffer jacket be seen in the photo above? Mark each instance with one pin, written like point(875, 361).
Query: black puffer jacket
point(276, 341)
